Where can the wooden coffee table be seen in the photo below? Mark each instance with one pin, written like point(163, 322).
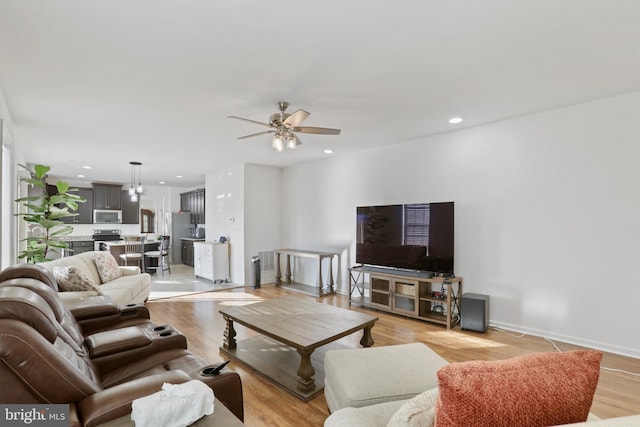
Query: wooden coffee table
point(293, 328)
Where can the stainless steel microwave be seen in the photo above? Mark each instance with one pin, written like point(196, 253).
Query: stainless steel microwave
point(103, 216)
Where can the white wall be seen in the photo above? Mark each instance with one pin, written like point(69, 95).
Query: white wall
point(244, 204)
point(547, 214)
point(224, 214)
point(263, 216)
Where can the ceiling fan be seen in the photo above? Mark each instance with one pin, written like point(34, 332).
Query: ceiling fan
point(284, 127)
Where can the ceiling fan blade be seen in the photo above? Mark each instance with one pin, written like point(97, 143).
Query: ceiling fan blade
point(250, 121)
point(256, 134)
point(319, 131)
point(296, 118)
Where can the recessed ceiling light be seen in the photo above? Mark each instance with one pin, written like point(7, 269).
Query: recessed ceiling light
point(328, 151)
point(455, 120)
point(161, 183)
point(178, 176)
point(86, 167)
point(80, 176)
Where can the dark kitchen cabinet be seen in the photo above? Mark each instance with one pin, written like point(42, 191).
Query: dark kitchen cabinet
point(193, 202)
point(187, 252)
point(85, 210)
point(106, 196)
point(130, 210)
point(79, 246)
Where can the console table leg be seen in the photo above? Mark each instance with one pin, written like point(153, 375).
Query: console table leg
point(367, 338)
point(319, 284)
point(278, 274)
point(229, 341)
point(306, 383)
point(331, 274)
point(287, 272)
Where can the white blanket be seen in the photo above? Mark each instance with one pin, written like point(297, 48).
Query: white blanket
point(176, 405)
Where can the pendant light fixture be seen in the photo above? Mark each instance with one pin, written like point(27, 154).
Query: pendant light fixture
point(135, 190)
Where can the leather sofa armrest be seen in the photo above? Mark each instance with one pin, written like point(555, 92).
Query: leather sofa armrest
point(116, 401)
point(110, 350)
point(89, 310)
point(227, 388)
point(111, 342)
point(109, 316)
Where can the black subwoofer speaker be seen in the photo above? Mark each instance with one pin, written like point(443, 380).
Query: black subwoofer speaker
point(474, 312)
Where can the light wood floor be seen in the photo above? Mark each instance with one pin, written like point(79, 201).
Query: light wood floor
point(267, 405)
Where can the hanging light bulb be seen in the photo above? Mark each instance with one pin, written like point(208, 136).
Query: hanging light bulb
point(291, 142)
point(278, 143)
point(139, 188)
point(132, 189)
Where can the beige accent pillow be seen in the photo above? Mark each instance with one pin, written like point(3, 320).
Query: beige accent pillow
point(416, 412)
point(71, 279)
point(107, 266)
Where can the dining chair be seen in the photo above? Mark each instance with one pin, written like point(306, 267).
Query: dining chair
point(133, 251)
point(161, 255)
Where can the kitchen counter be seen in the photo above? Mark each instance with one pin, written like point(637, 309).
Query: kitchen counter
point(110, 243)
point(77, 238)
point(192, 239)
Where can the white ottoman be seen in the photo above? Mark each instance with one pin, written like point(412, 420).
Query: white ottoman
point(366, 376)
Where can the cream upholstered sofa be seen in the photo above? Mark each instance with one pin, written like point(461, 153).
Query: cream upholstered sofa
point(376, 387)
point(123, 285)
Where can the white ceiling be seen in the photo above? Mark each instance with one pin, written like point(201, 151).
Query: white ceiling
point(105, 82)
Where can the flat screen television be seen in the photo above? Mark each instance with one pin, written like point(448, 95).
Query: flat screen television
point(416, 236)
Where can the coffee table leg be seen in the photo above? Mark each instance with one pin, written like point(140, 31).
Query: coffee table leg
point(367, 338)
point(229, 335)
point(306, 383)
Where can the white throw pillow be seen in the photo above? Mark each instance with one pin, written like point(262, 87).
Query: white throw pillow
point(416, 412)
point(107, 266)
point(71, 279)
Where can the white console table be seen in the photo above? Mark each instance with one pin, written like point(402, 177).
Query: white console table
point(319, 288)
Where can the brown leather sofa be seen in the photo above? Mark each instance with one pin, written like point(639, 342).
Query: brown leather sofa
point(47, 355)
point(89, 315)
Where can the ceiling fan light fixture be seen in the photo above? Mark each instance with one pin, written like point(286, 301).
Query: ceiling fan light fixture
point(291, 142)
point(278, 143)
point(285, 127)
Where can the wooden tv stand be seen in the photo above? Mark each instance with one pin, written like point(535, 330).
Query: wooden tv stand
point(408, 295)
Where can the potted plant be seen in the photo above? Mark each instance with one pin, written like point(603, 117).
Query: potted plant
point(45, 211)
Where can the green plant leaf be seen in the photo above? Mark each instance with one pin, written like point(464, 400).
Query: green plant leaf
point(49, 223)
point(62, 231)
point(41, 171)
point(29, 199)
point(62, 187)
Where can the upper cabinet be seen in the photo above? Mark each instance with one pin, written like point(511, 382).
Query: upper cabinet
point(193, 201)
point(85, 210)
point(106, 196)
point(130, 210)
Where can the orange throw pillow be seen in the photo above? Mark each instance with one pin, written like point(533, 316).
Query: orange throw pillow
point(542, 389)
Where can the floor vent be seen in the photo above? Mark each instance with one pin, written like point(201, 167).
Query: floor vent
point(267, 261)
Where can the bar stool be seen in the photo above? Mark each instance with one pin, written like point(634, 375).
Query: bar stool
point(162, 255)
point(133, 251)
